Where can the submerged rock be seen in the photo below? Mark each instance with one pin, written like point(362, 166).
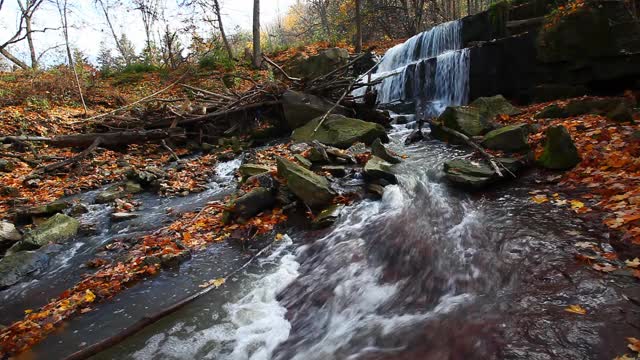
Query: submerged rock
point(495, 105)
point(253, 203)
point(340, 131)
point(511, 138)
point(560, 153)
point(308, 186)
point(123, 216)
point(300, 108)
point(379, 150)
point(15, 267)
point(58, 228)
point(376, 168)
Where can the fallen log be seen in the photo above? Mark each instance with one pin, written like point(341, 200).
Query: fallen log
point(214, 115)
point(81, 156)
point(107, 139)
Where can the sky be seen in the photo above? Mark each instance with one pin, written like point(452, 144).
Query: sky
point(90, 28)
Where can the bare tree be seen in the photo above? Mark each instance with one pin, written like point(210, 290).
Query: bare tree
point(23, 31)
point(149, 10)
point(257, 51)
point(64, 20)
point(121, 49)
point(216, 9)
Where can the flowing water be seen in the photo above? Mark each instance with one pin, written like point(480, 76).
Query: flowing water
point(427, 272)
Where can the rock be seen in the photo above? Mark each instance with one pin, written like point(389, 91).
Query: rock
point(340, 131)
point(383, 153)
point(146, 177)
point(552, 111)
point(559, 153)
point(303, 161)
point(9, 191)
point(308, 186)
point(9, 235)
point(173, 260)
point(109, 194)
point(131, 187)
point(300, 108)
point(617, 108)
point(467, 120)
point(78, 209)
point(249, 170)
point(327, 217)
point(376, 189)
point(357, 149)
point(340, 156)
point(416, 136)
point(323, 63)
point(495, 105)
point(265, 180)
point(58, 228)
point(253, 203)
point(548, 92)
point(335, 170)
point(123, 216)
point(208, 148)
point(15, 267)
point(226, 156)
point(6, 165)
point(511, 138)
point(469, 175)
point(299, 148)
point(376, 168)
point(318, 153)
point(26, 214)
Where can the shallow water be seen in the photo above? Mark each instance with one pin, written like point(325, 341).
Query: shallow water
point(428, 272)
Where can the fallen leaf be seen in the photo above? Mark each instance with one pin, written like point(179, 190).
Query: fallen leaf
point(604, 267)
point(576, 205)
point(576, 309)
point(634, 344)
point(279, 237)
point(89, 296)
point(218, 282)
point(539, 199)
point(28, 311)
point(633, 263)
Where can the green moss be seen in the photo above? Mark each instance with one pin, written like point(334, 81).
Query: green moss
point(499, 16)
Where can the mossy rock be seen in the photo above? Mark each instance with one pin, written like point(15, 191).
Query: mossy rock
point(327, 217)
point(471, 175)
point(495, 105)
point(615, 108)
point(340, 131)
point(511, 138)
point(379, 150)
point(560, 153)
point(58, 228)
point(249, 170)
point(376, 168)
point(467, 120)
point(308, 186)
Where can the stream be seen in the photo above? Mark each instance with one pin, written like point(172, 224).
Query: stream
point(427, 272)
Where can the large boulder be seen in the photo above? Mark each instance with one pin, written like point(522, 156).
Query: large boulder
point(379, 150)
point(378, 169)
point(308, 186)
point(511, 138)
point(300, 108)
point(58, 228)
point(25, 215)
point(467, 120)
point(495, 105)
point(340, 131)
point(317, 65)
point(253, 203)
point(559, 153)
point(15, 267)
point(552, 111)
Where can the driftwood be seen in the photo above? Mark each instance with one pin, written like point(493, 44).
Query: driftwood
point(280, 69)
point(151, 319)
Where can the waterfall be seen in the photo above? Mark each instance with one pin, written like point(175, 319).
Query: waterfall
point(429, 68)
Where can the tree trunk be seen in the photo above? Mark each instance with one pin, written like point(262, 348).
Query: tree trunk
point(62, 8)
point(32, 49)
point(107, 139)
point(216, 5)
point(14, 59)
point(113, 32)
point(257, 50)
point(358, 27)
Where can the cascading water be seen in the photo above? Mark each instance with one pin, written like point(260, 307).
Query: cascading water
point(430, 69)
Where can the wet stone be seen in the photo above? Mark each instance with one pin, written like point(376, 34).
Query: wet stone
point(123, 216)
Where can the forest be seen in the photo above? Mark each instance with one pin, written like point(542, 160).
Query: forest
point(319, 179)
